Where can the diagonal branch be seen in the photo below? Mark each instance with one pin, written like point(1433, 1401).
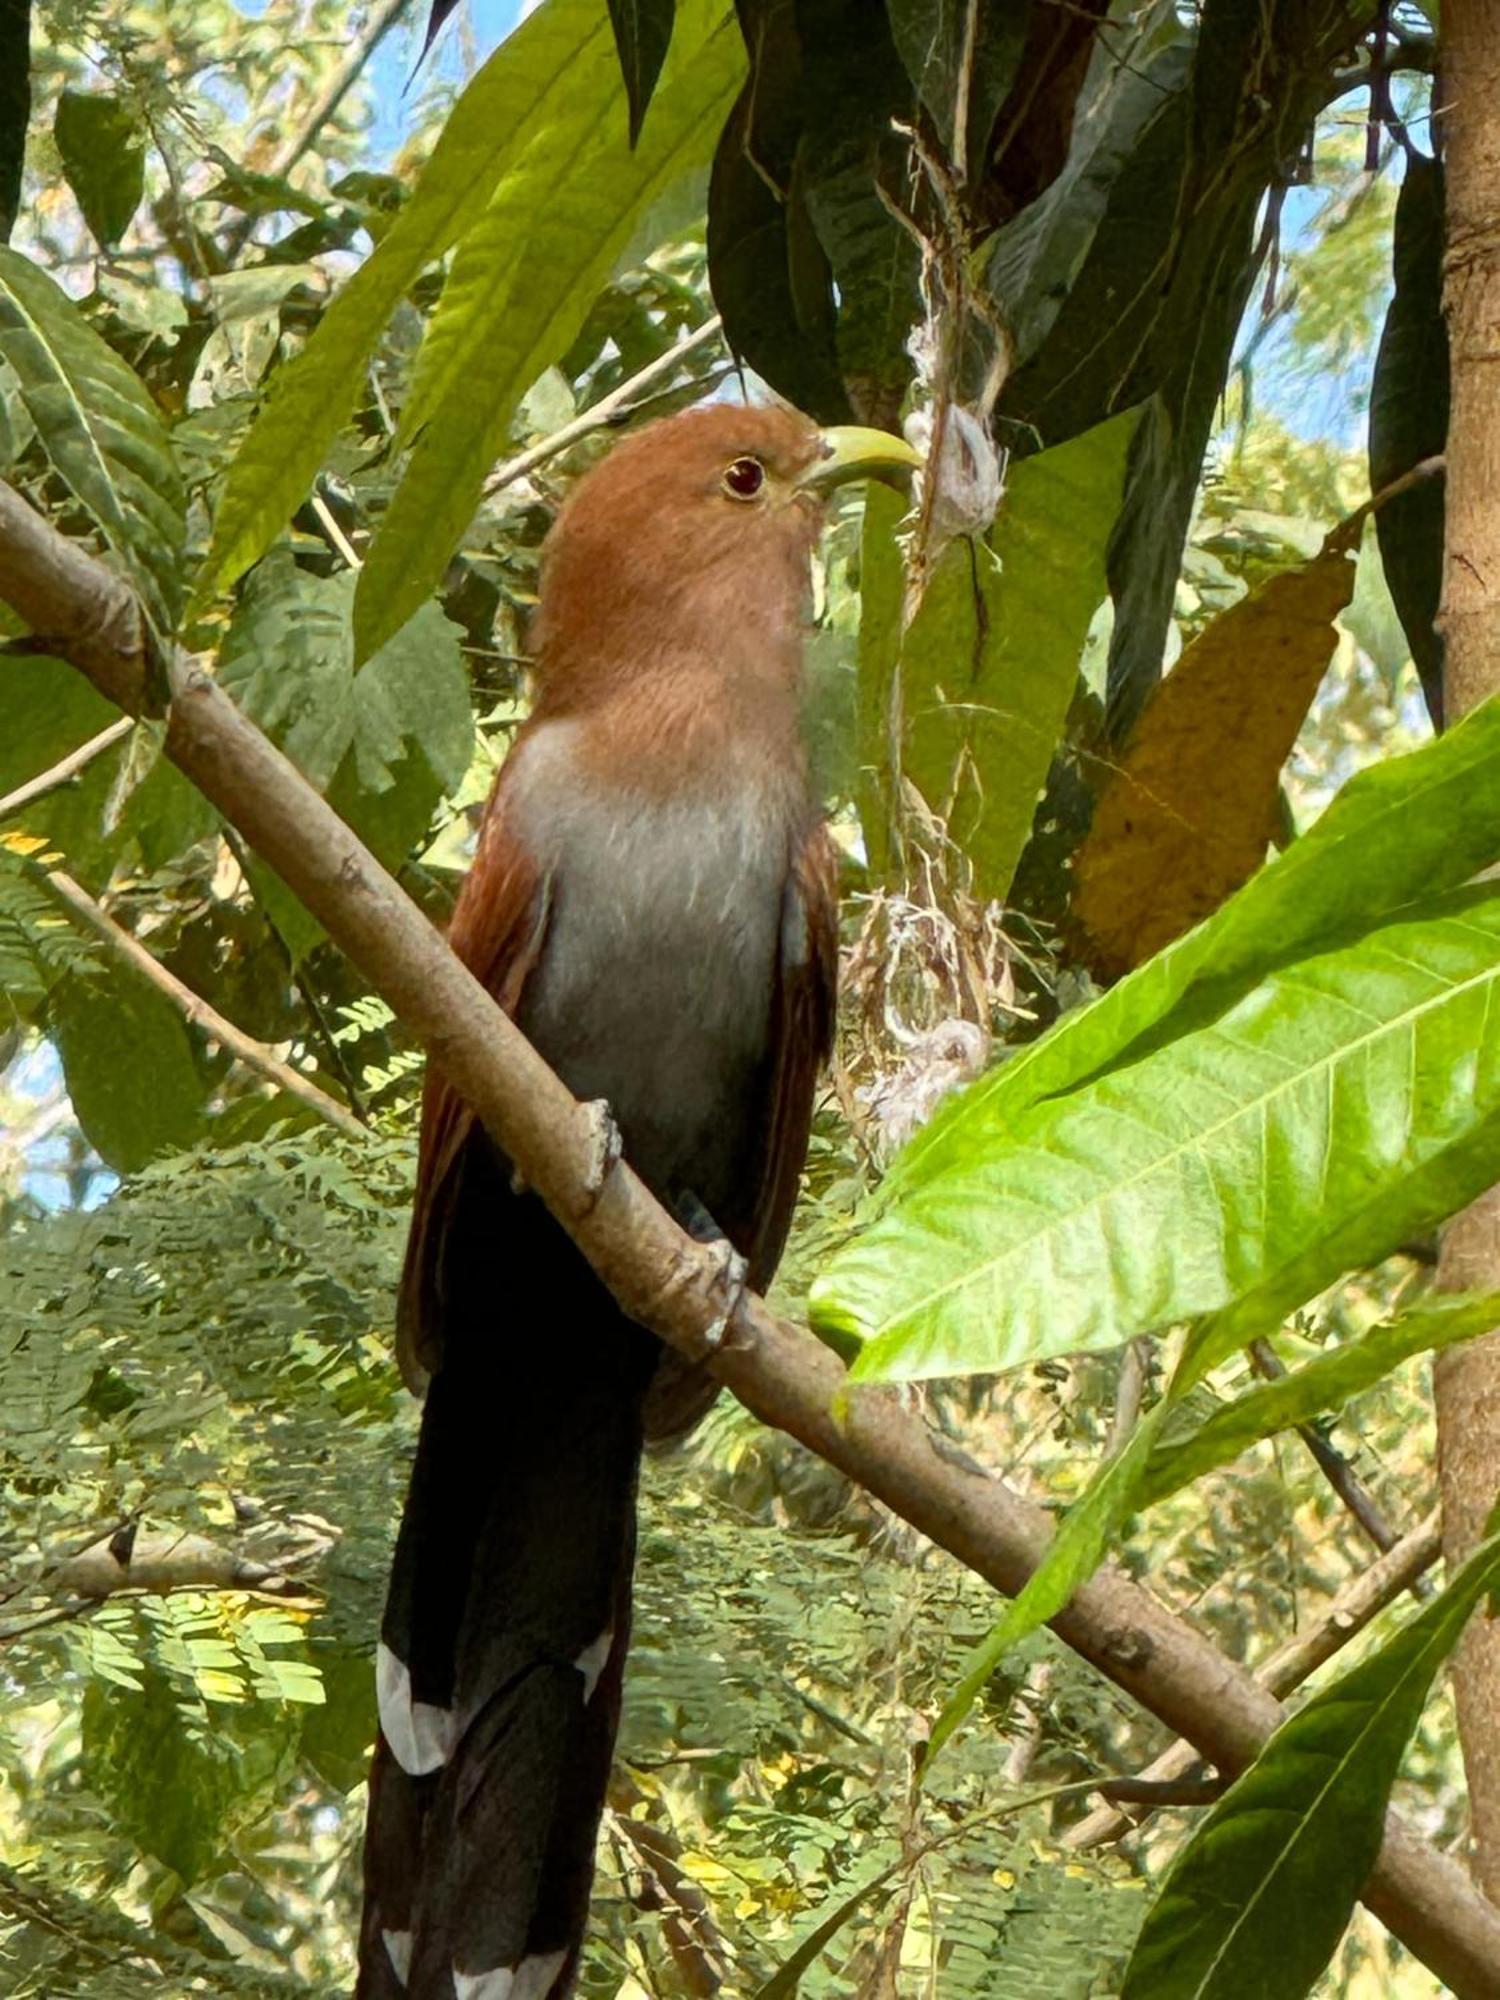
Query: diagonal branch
point(660, 1276)
point(615, 404)
point(381, 20)
point(255, 1056)
point(66, 769)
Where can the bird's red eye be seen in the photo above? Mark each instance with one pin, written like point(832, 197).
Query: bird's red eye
point(744, 479)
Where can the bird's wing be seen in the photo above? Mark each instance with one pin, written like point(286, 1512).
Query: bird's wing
point(803, 998)
point(801, 1041)
point(498, 929)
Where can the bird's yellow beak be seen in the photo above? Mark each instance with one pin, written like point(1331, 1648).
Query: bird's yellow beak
point(849, 451)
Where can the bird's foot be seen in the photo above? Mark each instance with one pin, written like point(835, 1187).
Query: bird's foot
point(731, 1280)
point(605, 1148)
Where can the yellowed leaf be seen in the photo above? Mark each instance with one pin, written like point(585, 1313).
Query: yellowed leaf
point(1187, 815)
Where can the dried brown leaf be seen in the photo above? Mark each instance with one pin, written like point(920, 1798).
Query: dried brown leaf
point(1187, 815)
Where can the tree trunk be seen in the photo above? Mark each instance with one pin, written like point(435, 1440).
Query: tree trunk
point(1468, 1379)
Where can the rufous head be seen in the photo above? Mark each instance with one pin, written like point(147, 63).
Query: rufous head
point(696, 532)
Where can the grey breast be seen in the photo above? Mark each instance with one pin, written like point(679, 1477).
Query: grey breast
point(655, 985)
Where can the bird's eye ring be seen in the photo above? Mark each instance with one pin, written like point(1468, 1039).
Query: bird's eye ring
point(744, 478)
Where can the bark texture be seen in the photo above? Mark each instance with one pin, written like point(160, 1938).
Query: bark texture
point(1468, 1379)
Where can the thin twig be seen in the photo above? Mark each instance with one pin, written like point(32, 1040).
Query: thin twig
point(382, 19)
point(1290, 1665)
point(331, 1051)
point(1130, 1390)
point(57, 1614)
point(607, 407)
point(1155, 1792)
point(335, 533)
point(322, 108)
point(1418, 475)
point(1330, 1461)
point(66, 769)
point(196, 1011)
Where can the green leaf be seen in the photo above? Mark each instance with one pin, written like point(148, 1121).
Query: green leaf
point(1030, 264)
point(38, 945)
point(954, 75)
point(1145, 298)
point(286, 661)
point(1409, 826)
point(521, 288)
point(1088, 1529)
point(849, 156)
point(337, 1737)
point(989, 663)
point(1344, 1101)
point(99, 429)
point(1258, 1900)
point(131, 1073)
point(786, 1981)
point(1261, 74)
point(772, 281)
point(385, 743)
point(1324, 1384)
point(1409, 420)
point(181, 1791)
point(103, 152)
point(514, 101)
point(46, 711)
point(643, 34)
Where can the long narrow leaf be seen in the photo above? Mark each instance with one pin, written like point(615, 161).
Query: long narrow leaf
point(1341, 1103)
point(1258, 1900)
point(522, 286)
point(643, 34)
point(513, 98)
point(99, 428)
point(990, 661)
point(1322, 1385)
point(1411, 826)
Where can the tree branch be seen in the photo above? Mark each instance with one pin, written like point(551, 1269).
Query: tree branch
point(1466, 1380)
point(602, 412)
point(1331, 1462)
point(81, 906)
point(382, 19)
point(155, 1564)
point(65, 770)
point(660, 1276)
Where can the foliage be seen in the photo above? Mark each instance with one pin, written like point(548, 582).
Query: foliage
point(1285, 1124)
point(98, 428)
point(266, 360)
point(1300, 1831)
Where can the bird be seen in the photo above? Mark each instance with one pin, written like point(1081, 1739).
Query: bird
point(653, 901)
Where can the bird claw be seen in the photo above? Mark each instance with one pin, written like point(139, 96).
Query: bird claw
point(731, 1280)
point(605, 1148)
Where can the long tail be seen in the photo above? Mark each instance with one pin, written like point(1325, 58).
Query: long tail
point(504, 1638)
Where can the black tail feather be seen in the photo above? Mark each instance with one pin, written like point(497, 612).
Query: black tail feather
point(504, 1640)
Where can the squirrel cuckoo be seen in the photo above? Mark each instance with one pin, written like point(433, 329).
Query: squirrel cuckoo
point(653, 901)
